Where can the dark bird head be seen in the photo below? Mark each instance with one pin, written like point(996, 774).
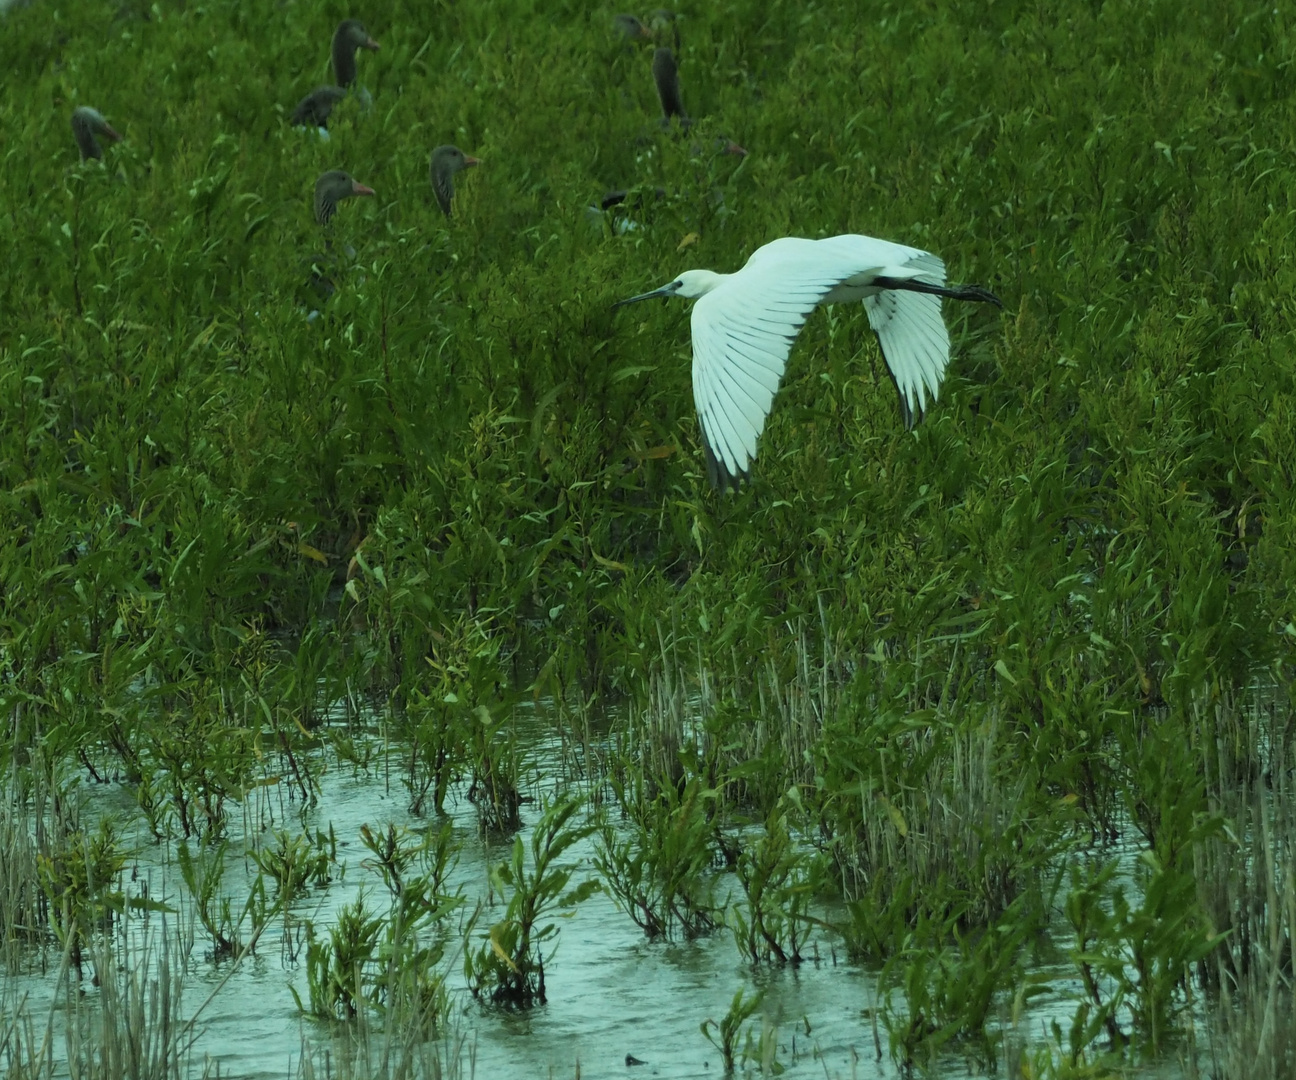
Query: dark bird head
point(631, 28)
point(331, 189)
point(315, 107)
point(661, 21)
point(666, 76)
point(635, 198)
point(446, 161)
point(86, 124)
point(349, 36)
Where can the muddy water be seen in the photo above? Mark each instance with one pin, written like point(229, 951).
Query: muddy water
point(611, 993)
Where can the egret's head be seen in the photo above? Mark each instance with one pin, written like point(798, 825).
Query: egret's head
point(690, 285)
point(694, 283)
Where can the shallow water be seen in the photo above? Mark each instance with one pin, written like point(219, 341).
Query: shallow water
point(611, 993)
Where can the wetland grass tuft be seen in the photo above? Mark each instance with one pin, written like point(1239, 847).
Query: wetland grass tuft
point(781, 876)
point(131, 1024)
point(658, 860)
point(1246, 882)
point(396, 1050)
point(724, 1033)
point(22, 899)
point(508, 968)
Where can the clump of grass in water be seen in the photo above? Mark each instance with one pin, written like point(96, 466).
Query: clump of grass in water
point(748, 722)
point(389, 961)
point(508, 967)
point(724, 1035)
point(396, 1049)
point(929, 819)
point(340, 969)
point(661, 873)
point(780, 879)
point(22, 900)
point(202, 876)
point(81, 876)
point(297, 860)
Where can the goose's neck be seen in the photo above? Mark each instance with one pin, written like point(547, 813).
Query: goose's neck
point(344, 60)
point(85, 140)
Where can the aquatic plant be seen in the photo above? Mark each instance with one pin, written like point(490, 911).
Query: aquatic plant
point(132, 1025)
point(81, 877)
point(398, 853)
point(1246, 881)
point(940, 988)
point(508, 966)
point(203, 876)
point(388, 960)
point(779, 881)
point(297, 860)
point(21, 896)
point(437, 736)
point(723, 1034)
point(340, 970)
point(658, 862)
point(494, 786)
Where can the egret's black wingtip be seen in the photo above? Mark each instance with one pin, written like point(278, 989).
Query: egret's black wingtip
point(718, 473)
point(906, 413)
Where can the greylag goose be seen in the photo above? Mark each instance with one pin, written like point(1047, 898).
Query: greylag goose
point(86, 124)
point(446, 161)
point(315, 107)
point(331, 189)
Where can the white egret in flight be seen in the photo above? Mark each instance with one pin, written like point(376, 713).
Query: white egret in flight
point(744, 325)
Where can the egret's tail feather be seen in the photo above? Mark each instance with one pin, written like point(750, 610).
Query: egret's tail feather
point(950, 292)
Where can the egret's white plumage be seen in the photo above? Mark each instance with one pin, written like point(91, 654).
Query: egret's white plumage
point(744, 325)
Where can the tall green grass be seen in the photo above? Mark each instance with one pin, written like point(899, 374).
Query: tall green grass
point(978, 650)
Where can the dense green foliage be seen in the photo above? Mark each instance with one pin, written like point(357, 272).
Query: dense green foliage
point(976, 648)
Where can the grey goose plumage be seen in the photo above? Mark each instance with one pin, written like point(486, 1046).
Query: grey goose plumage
point(666, 77)
point(86, 124)
point(631, 28)
point(331, 188)
point(349, 36)
point(315, 107)
point(446, 161)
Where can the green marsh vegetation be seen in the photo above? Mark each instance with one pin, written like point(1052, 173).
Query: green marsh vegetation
point(1006, 700)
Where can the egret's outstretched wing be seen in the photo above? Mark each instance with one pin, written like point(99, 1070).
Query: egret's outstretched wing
point(915, 345)
point(741, 340)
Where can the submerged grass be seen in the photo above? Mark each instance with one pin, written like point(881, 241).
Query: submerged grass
point(971, 656)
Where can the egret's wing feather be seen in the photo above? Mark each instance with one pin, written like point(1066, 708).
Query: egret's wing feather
point(915, 344)
point(931, 267)
point(742, 333)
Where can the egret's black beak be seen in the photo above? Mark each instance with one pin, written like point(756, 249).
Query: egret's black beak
point(665, 290)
